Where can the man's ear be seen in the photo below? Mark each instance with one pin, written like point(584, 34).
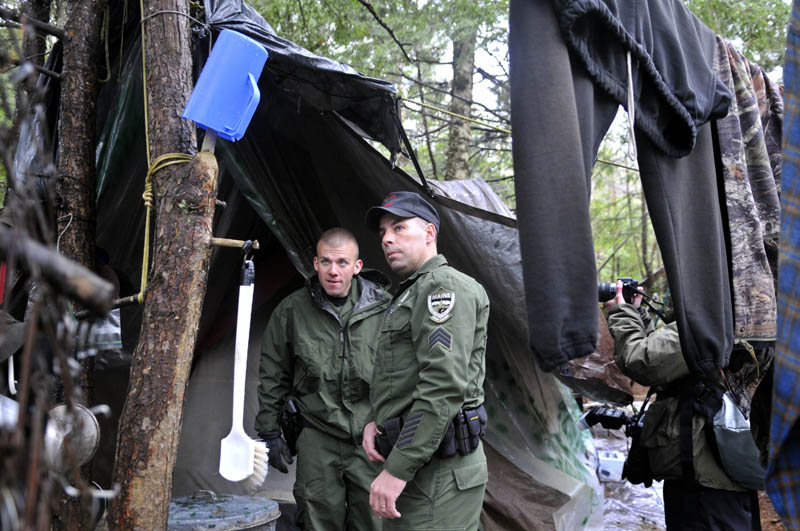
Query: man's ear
point(430, 233)
point(316, 265)
point(358, 265)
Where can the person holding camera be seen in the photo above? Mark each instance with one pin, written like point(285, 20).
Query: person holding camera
point(316, 356)
point(676, 436)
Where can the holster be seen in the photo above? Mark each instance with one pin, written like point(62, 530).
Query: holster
point(291, 423)
point(384, 442)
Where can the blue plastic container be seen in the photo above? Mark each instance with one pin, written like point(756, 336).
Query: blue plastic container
point(226, 94)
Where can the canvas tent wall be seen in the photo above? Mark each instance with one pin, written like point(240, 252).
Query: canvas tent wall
point(303, 166)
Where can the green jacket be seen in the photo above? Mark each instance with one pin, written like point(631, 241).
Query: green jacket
point(309, 354)
point(653, 357)
point(430, 360)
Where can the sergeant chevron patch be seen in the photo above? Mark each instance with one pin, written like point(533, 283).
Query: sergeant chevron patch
point(440, 336)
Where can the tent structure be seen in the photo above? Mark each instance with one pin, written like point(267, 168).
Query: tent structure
point(304, 166)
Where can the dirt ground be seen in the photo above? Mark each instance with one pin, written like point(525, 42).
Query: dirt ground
point(769, 518)
point(637, 508)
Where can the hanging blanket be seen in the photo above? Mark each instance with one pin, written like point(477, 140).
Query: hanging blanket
point(751, 193)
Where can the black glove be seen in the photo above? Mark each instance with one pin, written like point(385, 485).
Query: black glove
point(279, 454)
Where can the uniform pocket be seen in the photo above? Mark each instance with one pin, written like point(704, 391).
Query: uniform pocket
point(306, 377)
point(396, 347)
point(471, 476)
point(658, 419)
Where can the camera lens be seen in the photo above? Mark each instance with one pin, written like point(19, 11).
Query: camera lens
point(606, 291)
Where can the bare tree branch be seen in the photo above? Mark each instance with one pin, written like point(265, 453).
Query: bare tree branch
point(501, 64)
point(9, 14)
point(65, 275)
point(302, 14)
point(40, 69)
point(432, 131)
point(480, 147)
point(500, 179)
point(371, 9)
point(494, 79)
point(494, 113)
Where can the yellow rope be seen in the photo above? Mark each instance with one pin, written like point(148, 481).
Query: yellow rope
point(160, 163)
point(467, 118)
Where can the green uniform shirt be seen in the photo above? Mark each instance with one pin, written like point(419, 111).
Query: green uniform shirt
point(430, 360)
point(308, 353)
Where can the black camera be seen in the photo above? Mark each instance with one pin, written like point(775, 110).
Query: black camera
point(608, 290)
point(637, 466)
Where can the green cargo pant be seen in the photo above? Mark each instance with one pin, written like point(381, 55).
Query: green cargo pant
point(332, 485)
point(445, 494)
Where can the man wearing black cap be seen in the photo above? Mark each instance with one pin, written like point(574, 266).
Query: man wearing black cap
point(427, 386)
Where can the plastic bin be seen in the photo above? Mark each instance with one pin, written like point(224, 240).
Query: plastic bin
point(222, 512)
point(226, 94)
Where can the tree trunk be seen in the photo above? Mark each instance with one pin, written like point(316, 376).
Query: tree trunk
point(458, 143)
point(77, 175)
point(425, 129)
point(76, 192)
point(151, 420)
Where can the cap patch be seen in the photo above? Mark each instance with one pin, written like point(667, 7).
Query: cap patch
point(440, 306)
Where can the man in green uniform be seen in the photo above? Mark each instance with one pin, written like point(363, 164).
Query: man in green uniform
point(316, 351)
point(427, 386)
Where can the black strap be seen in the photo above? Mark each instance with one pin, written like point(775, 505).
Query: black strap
point(686, 412)
point(755, 513)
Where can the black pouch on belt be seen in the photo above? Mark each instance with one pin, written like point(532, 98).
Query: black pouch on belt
point(476, 423)
point(462, 436)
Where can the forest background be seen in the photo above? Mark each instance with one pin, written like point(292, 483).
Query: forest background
point(452, 57)
point(449, 61)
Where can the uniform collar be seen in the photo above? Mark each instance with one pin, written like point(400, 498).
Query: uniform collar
point(437, 261)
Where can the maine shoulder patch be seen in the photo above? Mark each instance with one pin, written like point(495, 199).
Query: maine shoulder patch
point(440, 305)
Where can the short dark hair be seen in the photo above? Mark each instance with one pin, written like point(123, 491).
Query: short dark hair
point(338, 236)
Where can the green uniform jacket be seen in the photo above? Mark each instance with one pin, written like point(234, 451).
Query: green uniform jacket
point(309, 355)
point(430, 360)
point(653, 358)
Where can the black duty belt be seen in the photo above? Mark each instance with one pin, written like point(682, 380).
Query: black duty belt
point(462, 435)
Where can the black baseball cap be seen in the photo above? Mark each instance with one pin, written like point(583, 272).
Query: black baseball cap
point(404, 205)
